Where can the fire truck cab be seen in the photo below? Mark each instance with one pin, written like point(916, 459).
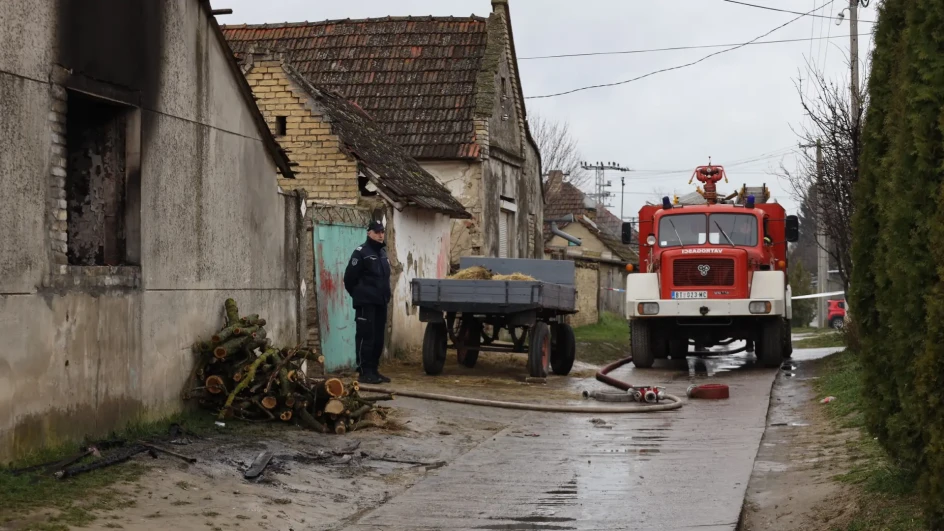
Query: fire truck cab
point(711, 271)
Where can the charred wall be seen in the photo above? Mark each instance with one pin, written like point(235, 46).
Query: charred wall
point(119, 42)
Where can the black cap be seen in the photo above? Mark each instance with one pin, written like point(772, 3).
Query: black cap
point(375, 226)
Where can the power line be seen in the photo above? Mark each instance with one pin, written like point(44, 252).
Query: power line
point(679, 66)
point(788, 11)
point(676, 48)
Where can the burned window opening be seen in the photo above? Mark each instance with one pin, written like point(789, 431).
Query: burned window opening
point(366, 188)
point(95, 181)
point(281, 125)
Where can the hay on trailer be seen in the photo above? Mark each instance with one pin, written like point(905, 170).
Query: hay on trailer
point(513, 276)
point(471, 273)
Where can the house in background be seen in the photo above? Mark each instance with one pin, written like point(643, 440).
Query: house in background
point(601, 257)
point(342, 158)
point(447, 89)
point(137, 171)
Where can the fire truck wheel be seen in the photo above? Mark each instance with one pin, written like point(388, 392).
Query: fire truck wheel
point(563, 349)
point(770, 346)
point(643, 355)
point(539, 350)
point(470, 335)
point(678, 348)
point(434, 348)
point(787, 340)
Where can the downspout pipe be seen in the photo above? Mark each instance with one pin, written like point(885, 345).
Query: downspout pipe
point(555, 230)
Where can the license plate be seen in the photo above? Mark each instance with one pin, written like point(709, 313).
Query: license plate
point(689, 294)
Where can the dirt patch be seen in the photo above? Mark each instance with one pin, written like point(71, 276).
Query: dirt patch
point(794, 484)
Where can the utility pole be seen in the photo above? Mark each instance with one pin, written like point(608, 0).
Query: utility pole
point(600, 183)
point(622, 195)
point(854, 53)
point(822, 257)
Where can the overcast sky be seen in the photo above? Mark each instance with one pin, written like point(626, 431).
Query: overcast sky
point(734, 107)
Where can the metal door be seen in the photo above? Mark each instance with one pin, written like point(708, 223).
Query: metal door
point(335, 238)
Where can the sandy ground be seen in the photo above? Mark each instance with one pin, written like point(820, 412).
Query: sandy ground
point(791, 487)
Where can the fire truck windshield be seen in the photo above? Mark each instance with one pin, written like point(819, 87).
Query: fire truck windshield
point(679, 230)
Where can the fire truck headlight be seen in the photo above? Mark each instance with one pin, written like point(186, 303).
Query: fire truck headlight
point(651, 239)
point(648, 308)
point(759, 307)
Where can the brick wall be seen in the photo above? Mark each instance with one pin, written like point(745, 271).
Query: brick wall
point(323, 170)
point(57, 212)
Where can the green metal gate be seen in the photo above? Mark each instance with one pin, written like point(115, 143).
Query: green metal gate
point(337, 231)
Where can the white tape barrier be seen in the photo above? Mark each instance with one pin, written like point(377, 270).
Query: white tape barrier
point(819, 295)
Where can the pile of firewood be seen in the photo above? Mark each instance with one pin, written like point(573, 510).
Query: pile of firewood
point(240, 375)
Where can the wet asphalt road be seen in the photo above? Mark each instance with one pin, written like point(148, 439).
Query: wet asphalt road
point(679, 470)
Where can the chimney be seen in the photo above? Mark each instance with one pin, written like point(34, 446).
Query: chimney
point(555, 178)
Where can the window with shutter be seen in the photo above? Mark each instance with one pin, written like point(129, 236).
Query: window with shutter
point(503, 235)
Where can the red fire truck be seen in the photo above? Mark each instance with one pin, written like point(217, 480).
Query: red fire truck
point(712, 270)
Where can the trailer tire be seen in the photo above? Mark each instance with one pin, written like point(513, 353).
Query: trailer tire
point(470, 334)
point(640, 343)
point(563, 349)
point(539, 350)
point(434, 348)
point(770, 346)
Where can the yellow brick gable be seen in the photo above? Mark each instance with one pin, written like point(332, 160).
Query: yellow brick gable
point(323, 170)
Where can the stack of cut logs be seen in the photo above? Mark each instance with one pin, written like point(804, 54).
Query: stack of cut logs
point(241, 375)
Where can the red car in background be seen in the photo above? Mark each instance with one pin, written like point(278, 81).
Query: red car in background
point(836, 313)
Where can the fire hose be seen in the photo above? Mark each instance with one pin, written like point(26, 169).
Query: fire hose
point(652, 402)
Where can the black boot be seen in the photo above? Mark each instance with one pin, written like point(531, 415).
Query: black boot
point(371, 378)
point(383, 378)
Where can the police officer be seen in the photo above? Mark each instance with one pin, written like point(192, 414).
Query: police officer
point(367, 280)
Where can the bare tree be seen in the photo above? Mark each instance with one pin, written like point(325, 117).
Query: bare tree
point(558, 148)
point(828, 189)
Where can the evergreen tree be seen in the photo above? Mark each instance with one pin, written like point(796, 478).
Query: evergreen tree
point(897, 299)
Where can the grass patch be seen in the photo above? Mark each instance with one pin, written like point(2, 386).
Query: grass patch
point(810, 330)
point(603, 342)
point(74, 501)
point(822, 340)
point(887, 499)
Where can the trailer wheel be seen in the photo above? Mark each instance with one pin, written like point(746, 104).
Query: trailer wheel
point(539, 350)
point(434, 348)
point(563, 349)
point(770, 346)
point(470, 337)
point(640, 336)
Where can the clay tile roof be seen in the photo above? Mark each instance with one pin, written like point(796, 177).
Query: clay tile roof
point(562, 199)
point(396, 173)
point(414, 75)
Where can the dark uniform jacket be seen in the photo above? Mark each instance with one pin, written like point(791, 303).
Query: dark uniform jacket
point(367, 277)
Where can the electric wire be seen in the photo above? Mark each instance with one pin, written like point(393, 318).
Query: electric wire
point(678, 48)
point(768, 8)
point(677, 67)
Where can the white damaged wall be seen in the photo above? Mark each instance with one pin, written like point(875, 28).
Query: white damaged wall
point(421, 245)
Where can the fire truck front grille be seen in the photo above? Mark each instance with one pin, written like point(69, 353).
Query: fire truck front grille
point(703, 272)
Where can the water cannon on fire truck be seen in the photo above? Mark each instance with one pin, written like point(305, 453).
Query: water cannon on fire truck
point(713, 270)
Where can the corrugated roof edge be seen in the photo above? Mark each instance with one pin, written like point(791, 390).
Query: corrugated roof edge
point(457, 210)
point(278, 154)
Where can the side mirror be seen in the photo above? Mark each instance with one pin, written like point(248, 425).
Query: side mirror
point(792, 228)
point(627, 236)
